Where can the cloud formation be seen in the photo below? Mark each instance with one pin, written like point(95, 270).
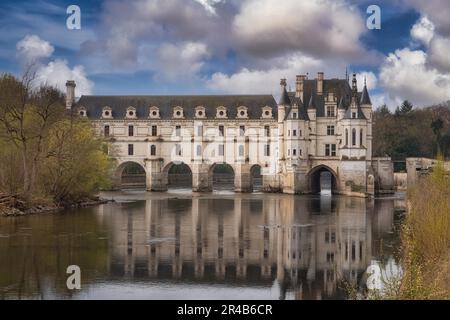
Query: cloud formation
point(32, 50)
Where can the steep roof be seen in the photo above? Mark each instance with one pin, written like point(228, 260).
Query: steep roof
point(365, 98)
point(284, 98)
point(119, 104)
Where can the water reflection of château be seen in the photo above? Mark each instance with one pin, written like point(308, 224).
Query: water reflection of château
point(303, 245)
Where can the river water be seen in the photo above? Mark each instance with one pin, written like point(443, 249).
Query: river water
point(179, 245)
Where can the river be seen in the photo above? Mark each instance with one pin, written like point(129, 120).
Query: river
point(179, 245)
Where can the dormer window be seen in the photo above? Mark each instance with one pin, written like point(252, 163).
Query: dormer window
point(178, 112)
point(82, 112)
point(107, 113)
point(221, 112)
point(267, 112)
point(200, 112)
point(131, 113)
point(242, 112)
point(154, 113)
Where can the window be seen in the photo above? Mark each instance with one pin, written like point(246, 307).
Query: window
point(346, 137)
point(178, 131)
point(130, 131)
point(354, 137)
point(330, 257)
point(361, 137)
point(106, 131)
point(178, 150)
point(221, 150)
point(353, 115)
point(221, 131)
point(289, 152)
point(267, 150)
point(294, 152)
point(130, 149)
point(199, 150)
point(294, 115)
point(294, 133)
point(300, 152)
point(241, 151)
point(300, 133)
point(153, 150)
point(330, 111)
point(267, 131)
point(154, 131)
point(242, 131)
point(330, 150)
point(200, 131)
point(330, 130)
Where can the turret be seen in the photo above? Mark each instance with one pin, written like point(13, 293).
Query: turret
point(365, 102)
point(284, 102)
point(70, 94)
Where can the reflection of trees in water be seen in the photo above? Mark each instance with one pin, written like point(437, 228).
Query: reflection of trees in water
point(35, 255)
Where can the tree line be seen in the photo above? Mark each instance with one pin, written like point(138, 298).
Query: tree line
point(411, 132)
point(46, 152)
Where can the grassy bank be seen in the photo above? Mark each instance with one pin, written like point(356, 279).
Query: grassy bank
point(426, 240)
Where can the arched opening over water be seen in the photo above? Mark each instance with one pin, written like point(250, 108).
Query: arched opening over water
point(256, 177)
point(179, 175)
point(322, 179)
point(222, 175)
point(131, 175)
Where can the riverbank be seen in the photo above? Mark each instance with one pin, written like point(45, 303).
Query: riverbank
point(13, 205)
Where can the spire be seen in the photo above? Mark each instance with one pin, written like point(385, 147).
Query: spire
point(346, 74)
point(365, 98)
point(311, 103)
point(284, 99)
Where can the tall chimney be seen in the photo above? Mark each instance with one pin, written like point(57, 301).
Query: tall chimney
point(70, 94)
point(299, 86)
point(319, 83)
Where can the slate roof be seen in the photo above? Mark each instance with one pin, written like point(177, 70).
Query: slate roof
point(119, 104)
point(365, 99)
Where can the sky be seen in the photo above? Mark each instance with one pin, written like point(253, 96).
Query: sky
point(142, 47)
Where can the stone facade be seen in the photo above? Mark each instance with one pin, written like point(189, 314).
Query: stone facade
point(324, 126)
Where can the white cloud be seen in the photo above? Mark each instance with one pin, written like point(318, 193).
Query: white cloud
point(316, 27)
point(405, 75)
point(267, 80)
point(423, 30)
point(181, 60)
point(369, 77)
point(435, 10)
point(439, 53)
point(32, 49)
point(57, 72)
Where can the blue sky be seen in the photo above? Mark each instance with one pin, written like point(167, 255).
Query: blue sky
point(230, 46)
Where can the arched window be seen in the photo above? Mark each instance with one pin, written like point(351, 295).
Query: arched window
point(346, 137)
point(153, 150)
point(354, 137)
point(361, 137)
point(199, 150)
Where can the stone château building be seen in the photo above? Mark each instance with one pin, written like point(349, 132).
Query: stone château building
point(324, 126)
